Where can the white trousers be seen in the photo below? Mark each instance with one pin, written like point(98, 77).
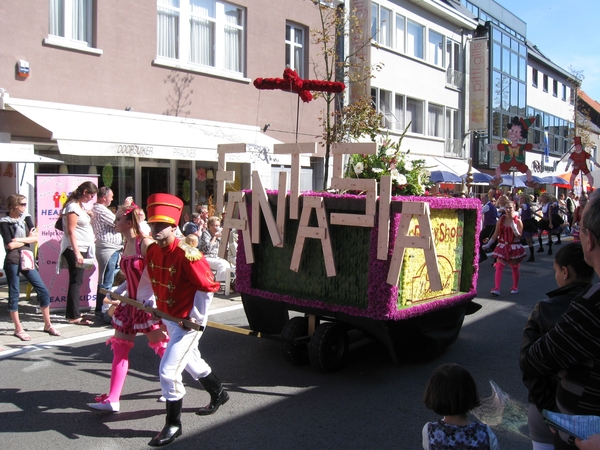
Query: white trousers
point(220, 265)
point(182, 353)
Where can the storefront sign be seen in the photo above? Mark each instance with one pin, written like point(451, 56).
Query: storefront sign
point(52, 192)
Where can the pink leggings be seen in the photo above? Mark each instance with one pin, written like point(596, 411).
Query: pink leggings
point(498, 276)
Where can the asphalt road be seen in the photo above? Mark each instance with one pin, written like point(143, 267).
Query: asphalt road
point(371, 403)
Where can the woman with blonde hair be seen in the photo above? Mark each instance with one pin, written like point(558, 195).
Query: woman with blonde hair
point(18, 234)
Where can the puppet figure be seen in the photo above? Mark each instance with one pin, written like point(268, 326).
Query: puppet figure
point(514, 151)
point(578, 158)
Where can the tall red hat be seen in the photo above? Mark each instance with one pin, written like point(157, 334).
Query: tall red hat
point(526, 123)
point(164, 208)
point(577, 140)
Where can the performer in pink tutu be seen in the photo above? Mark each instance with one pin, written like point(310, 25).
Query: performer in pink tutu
point(128, 320)
point(509, 249)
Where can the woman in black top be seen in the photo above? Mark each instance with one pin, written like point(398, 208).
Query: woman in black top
point(18, 233)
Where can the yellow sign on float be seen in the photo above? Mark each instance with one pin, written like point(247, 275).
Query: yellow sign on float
point(447, 227)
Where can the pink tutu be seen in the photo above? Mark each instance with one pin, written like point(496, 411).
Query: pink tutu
point(509, 252)
point(130, 320)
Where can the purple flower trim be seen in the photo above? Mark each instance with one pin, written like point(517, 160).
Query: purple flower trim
point(382, 297)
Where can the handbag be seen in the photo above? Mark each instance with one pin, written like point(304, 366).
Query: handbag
point(27, 260)
point(59, 224)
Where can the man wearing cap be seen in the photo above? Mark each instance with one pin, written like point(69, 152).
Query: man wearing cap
point(579, 158)
point(183, 286)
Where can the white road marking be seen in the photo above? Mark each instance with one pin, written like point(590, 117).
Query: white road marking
point(87, 337)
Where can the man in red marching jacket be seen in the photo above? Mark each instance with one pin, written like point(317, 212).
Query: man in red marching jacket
point(183, 286)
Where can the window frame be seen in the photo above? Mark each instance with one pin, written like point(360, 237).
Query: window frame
point(545, 82)
point(67, 40)
point(534, 77)
point(183, 35)
point(410, 49)
point(291, 44)
point(440, 53)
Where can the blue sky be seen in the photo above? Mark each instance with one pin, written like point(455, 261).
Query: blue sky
point(567, 32)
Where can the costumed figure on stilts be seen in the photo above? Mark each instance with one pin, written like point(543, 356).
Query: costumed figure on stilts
point(579, 157)
point(550, 222)
point(514, 150)
point(127, 320)
point(509, 250)
point(183, 285)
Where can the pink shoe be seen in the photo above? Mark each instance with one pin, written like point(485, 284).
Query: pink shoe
point(101, 398)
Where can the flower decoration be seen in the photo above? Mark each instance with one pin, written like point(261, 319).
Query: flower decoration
point(293, 83)
point(408, 177)
point(201, 174)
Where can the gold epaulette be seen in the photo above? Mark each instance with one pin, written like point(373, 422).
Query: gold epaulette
point(191, 253)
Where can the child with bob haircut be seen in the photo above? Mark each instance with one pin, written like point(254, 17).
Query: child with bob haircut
point(452, 393)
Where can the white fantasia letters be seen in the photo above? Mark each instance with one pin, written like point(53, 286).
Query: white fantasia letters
point(276, 226)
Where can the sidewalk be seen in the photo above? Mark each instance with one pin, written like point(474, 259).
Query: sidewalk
point(32, 322)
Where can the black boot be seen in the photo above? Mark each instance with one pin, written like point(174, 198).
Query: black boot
point(532, 257)
point(541, 249)
point(218, 395)
point(172, 427)
point(550, 246)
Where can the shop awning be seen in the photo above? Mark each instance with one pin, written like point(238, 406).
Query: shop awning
point(88, 131)
point(456, 166)
point(23, 153)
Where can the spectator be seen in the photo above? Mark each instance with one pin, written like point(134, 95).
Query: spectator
point(572, 347)
point(573, 275)
point(452, 393)
point(18, 234)
point(77, 244)
point(576, 223)
point(109, 243)
point(490, 217)
point(193, 226)
point(209, 245)
point(192, 240)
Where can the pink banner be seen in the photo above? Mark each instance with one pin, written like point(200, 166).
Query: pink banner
point(52, 192)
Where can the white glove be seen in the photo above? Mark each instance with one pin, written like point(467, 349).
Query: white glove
point(489, 244)
point(151, 302)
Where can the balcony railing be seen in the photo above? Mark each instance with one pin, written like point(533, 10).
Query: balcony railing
point(455, 78)
point(454, 148)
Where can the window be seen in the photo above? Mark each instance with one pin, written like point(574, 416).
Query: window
point(294, 48)
point(414, 115)
point(205, 32)
point(385, 108)
point(545, 83)
point(454, 76)
point(381, 26)
point(555, 88)
point(435, 48)
point(453, 138)
point(399, 112)
point(534, 78)
point(414, 41)
point(72, 20)
point(400, 33)
point(564, 93)
point(435, 120)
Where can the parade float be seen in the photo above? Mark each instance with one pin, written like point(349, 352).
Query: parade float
point(373, 253)
point(400, 268)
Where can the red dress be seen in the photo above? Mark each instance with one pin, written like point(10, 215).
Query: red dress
point(129, 319)
point(508, 248)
